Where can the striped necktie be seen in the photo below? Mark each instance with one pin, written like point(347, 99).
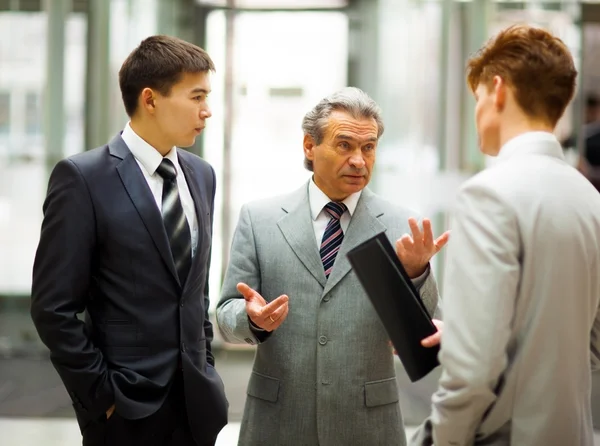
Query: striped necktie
point(332, 239)
point(176, 225)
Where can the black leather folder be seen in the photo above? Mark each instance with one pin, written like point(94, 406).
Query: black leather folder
point(397, 302)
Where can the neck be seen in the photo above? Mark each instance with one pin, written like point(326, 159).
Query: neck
point(151, 134)
point(326, 191)
point(521, 125)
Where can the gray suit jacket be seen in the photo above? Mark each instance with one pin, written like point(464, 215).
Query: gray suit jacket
point(524, 262)
point(326, 376)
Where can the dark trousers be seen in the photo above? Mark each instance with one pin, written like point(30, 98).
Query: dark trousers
point(168, 426)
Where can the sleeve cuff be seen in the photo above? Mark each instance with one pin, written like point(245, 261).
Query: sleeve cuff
point(419, 281)
point(260, 334)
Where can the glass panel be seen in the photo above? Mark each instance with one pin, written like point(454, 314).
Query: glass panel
point(279, 4)
point(273, 89)
point(33, 114)
point(23, 170)
point(4, 113)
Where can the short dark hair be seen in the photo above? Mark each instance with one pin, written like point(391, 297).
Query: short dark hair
point(159, 62)
point(535, 63)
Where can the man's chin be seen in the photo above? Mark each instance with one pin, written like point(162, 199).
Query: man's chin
point(356, 186)
point(187, 143)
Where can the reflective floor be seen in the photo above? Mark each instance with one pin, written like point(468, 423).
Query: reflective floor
point(64, 432)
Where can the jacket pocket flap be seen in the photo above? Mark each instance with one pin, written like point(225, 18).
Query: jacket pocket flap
point(378, 393)
point(263, 387)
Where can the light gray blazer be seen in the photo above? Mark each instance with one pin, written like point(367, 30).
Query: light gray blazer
point(326, 376)
point(520, 305)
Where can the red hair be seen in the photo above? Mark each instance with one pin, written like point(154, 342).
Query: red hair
point(535, 64)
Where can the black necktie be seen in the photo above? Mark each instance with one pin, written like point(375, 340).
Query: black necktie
point(176, 225)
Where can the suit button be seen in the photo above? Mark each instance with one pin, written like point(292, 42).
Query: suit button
point(181, 304)
point(326, 299)
point(183, 347)
point(322, 340)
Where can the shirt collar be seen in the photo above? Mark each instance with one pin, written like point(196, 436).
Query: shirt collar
point(147, 155)
point(528, 142)
point(318, 200)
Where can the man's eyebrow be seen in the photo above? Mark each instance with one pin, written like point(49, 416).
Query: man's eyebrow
point(351, 138)
point(199, 90)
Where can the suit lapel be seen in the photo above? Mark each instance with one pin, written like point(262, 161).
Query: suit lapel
point(191, 177)
point(364, 224)
point(134, 182)
point(297, 228)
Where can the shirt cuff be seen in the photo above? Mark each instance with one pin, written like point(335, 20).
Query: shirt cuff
point(253, 326)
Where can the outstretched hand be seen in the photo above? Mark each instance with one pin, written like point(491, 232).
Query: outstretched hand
point(416, 251)
point(267, 316)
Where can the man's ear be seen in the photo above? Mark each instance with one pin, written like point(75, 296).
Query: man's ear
point(308, 144)
point(500, 92)
point(148, 100)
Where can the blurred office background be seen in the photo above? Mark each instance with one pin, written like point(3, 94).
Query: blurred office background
point(275, 59)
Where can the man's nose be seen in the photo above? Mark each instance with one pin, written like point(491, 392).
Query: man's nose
point(357, 161)
point(206, 113)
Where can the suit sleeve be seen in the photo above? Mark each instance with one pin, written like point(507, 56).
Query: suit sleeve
point(481, 283)
point(428, 290)
point(208, 326)
point(61, 278)
point(232, 318)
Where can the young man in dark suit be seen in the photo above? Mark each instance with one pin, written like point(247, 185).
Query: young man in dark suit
point(126, 237)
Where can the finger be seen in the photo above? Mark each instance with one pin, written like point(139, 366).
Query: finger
point(414, 228)
point(442, 240)
point(400, 248)
point(278, 313)
point(281, 318)
point(272, 306)
point(245, 291)
point(407, 242)
point(427, 234)
point(432, 340)
point(435, 338)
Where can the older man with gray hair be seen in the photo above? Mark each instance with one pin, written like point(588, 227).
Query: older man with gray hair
point(324, 371)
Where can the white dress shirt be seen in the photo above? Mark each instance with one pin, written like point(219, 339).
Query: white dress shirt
point(149, 159)
point(515, 144)
point(317, 200)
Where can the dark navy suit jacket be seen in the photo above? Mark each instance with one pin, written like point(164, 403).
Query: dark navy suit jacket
point(104, 250)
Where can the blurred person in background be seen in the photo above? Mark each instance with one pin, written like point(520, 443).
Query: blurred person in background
point(589, 160)
point(126, 237)
point(324, 371)
point(522, 286)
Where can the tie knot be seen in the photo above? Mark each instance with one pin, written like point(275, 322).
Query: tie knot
point(166, 169)
point(335, 209)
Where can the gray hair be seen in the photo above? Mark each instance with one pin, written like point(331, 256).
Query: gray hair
point(349, 99)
